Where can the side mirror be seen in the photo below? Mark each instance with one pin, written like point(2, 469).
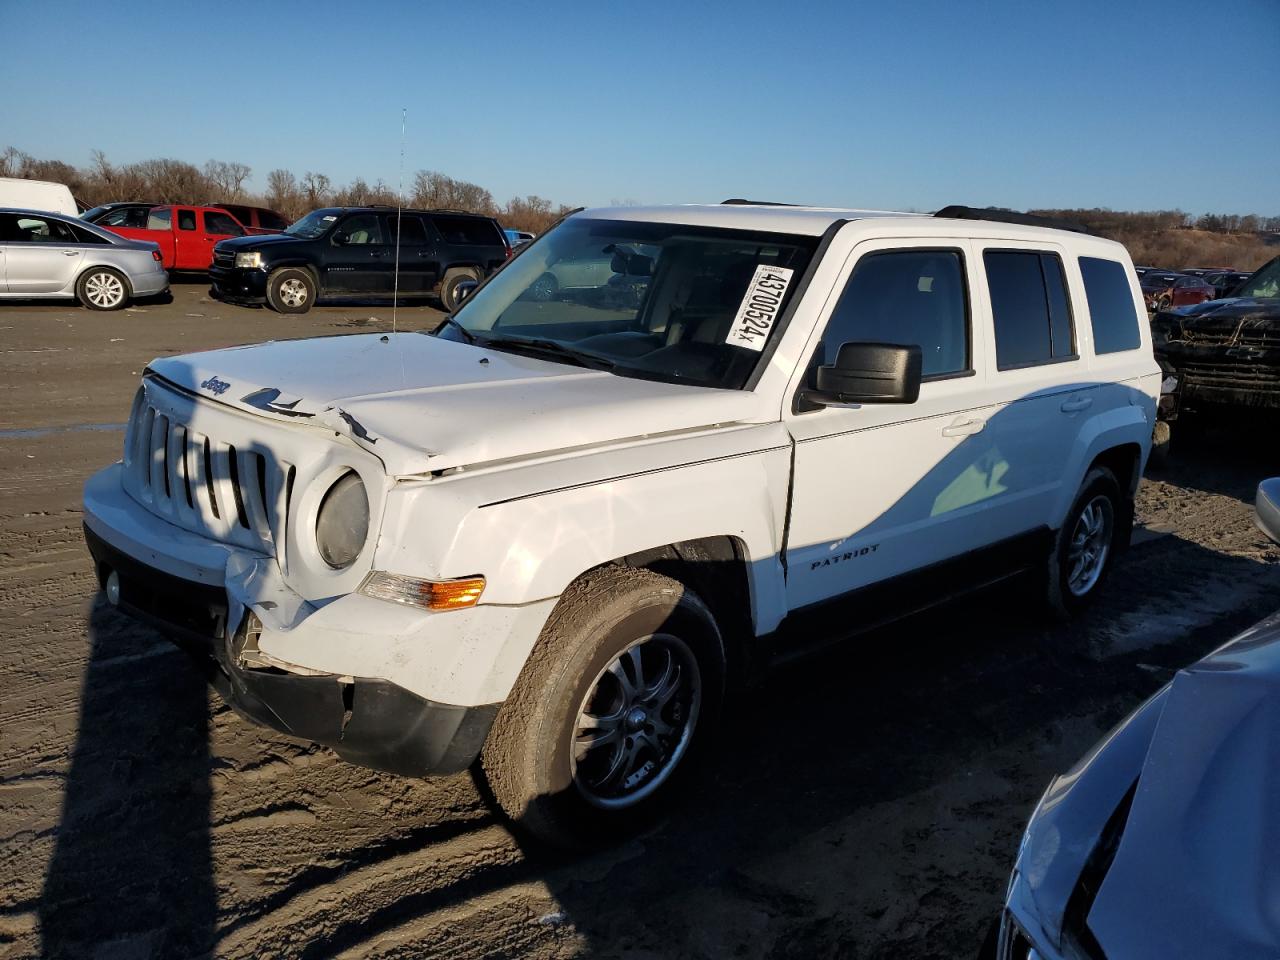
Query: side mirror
point(464, 289)
point(341, 239)
point(1267, 508)
point(869, 373)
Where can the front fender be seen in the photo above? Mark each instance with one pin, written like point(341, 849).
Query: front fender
point(530, 545)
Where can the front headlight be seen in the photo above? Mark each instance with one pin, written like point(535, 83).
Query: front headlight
point(342, 523)
point(250, 261)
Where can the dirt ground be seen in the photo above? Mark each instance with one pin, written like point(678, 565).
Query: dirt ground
point(866, 803)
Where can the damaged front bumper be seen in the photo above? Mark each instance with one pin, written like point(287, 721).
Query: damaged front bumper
point(219, 602)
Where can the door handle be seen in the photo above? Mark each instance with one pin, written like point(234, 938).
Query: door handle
point(1076, 404)
point(377, 253)
point(71, 253)
point(964, 428)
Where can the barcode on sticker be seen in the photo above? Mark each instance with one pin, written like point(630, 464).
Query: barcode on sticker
point(759, 308)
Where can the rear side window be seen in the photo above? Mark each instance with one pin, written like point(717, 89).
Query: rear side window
point(272, 221)
point(186, 219)
point(220, 223)
point(912, 297)
point(160, 219)
point(1030, 308)
point(85, 236)
point(412, 233)
point(1111, 309)
point(468, 230)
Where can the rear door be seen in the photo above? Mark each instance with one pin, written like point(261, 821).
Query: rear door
point(41, 254)
point(218, 225)
point(416, 251)
point(1041, 383)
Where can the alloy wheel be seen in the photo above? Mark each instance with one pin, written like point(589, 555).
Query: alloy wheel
point(1090, 544)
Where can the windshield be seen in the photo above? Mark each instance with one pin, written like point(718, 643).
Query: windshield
point(1264, 283)
point(690, 305)
point(313, 225)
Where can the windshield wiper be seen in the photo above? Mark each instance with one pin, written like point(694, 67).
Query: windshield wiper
point(547, 348)
point(450, 322)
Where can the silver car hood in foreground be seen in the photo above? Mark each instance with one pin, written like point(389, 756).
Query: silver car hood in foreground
point(1197, 872)
point(423, 404)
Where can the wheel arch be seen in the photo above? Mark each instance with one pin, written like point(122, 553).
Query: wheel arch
point(104, 265)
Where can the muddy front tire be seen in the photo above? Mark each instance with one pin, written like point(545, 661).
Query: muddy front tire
point(613, 711)
point(291, 291)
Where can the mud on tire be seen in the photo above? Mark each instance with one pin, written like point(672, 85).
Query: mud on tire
point(550, 756)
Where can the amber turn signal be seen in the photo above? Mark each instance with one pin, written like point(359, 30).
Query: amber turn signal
point(428, 594)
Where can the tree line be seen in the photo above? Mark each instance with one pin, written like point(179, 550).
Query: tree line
point(165, 180)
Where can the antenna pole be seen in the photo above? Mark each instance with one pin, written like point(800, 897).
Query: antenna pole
point(395, 295)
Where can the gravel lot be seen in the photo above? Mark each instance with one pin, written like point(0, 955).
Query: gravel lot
point(866, 803)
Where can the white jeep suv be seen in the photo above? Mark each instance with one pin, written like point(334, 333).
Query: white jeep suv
point(549, 535)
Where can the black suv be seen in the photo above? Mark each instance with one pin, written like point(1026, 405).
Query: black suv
point(351, 252)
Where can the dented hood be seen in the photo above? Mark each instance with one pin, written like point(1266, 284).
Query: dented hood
point(422, 404)
point(1196, 873)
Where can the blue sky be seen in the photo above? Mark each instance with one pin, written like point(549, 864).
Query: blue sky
point(1024, 103)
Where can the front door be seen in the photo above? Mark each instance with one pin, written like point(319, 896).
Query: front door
point(360, 258)
point(41, 254)
point(879, 489)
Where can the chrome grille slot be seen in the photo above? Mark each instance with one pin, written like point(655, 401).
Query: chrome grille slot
point(233, 494)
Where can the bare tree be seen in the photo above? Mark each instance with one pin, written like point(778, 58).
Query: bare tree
point(227, 178)
point(315, 188)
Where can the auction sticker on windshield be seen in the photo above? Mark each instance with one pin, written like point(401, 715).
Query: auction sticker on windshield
point(759, 308)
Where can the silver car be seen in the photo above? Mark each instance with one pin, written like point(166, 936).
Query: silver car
point(46, 254)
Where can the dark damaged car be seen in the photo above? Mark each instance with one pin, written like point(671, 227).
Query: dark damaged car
point(1223, 352)
point(1160, 843)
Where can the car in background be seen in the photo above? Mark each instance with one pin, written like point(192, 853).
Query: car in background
point(1143, 271)
point(122, 213)
point(255, 220)
point(1223, 353)
point(351, 252)
point(1164, 289)
point(45, 254)
point(518, 238)
point(1160, 843)
point(185, 234)
point(1201, 271)
point(1225, 281)
point(21, 193)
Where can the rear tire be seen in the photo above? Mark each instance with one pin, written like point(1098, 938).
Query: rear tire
point(291, 290)
point(1086, 544)
point(612, 711)
point(102, 288)
point(449, 286)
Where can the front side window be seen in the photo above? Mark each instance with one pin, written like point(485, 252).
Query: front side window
point(124, 217)
point(25, 229)
point(221, 224)
point(909, 297)
point(360, 230)
point(186, 219)
point(1112, 313)
point(663, 301)
point(1029, 307)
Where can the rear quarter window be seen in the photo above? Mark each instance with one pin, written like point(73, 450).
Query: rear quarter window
point(472, 231)
point(1111, 309)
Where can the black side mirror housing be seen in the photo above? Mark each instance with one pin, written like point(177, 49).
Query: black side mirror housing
point(869, 373)
point(341, 239)
point(1266, 508)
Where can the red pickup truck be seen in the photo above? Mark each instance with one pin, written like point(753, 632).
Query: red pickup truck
point(186, 234)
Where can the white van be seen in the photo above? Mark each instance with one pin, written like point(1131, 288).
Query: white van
point(37, 195)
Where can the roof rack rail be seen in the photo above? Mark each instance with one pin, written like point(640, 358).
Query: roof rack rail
point(739, 202)
point(996, 215)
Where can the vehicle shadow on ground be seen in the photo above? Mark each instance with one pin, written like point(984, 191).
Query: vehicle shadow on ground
point(131, 873)
point(1225, 452)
